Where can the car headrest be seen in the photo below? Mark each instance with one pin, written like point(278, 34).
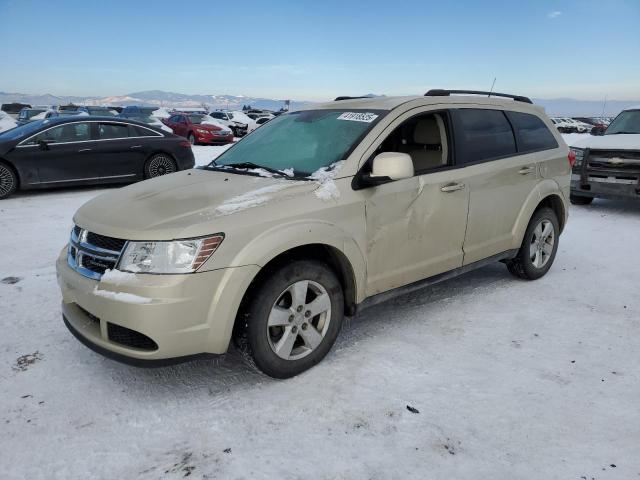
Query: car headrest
point(427, 132)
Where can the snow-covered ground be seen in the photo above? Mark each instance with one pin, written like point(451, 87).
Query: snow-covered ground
point(506, 379)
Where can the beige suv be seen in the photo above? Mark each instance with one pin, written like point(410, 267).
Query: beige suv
point(312, 217)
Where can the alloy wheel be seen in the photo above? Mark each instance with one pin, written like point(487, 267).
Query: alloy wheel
point(6, 181)
point(542, 242)
point(299, 320)
point(161, 165)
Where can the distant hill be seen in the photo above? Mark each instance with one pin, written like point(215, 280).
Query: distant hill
point(553, 107)
point(154, 98)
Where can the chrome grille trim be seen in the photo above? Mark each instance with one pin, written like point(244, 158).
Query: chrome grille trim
point(80, 253)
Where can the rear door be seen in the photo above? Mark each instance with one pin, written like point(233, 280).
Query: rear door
point(121, 150)
point(499, 179)
point(64, 153)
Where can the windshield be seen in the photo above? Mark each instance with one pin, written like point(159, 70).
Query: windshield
point(197, 119)
point(22, 130)
point(304, 141)
point(627, 122)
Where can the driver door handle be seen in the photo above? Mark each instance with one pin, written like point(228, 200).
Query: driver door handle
point(136, 146)
point(525, 170)
point(84, 150)
point(451, 187)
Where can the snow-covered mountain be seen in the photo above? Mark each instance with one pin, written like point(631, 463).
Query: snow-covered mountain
point(152, 98)
point(160, 98)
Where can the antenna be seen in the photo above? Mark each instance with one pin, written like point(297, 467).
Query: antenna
point(492, 85)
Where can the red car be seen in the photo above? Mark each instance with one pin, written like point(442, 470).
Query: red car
point(190, 126)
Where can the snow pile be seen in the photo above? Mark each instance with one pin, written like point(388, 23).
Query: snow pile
point(250, 199)
point(161, 113)
point(324, 176)
point(121, 296)
point(117, 277)
point(6, 122)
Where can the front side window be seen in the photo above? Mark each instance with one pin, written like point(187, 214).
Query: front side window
point(112, 130)
point(69, 132)
point(627, 122)
point(304, 141)
point(533, 134)
point(482, 135)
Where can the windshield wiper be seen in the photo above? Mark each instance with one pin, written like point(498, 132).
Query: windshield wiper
point(251, 165)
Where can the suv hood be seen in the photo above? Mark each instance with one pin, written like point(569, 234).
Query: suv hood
point(623, 141)
point(185, 204)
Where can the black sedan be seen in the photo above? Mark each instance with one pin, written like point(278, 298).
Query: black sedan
point(66, 151)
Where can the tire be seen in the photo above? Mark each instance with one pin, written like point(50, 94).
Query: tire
point(8, 181)
point(192, 139)
point(297, 339)
point(544, 246)
point(579, 200)
point(159, 164)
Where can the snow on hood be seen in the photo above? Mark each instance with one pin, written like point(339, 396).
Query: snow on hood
point(207, 120)
point(251, 199)
point(6, 122)
point(621, 141)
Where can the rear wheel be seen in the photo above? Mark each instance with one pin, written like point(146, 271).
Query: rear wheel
point(578, 200)
point(293, 318)
point(8, 181)
point(159, 164)
point(192, 139)
point(539, 246)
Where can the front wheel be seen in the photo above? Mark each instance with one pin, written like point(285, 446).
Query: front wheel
point(578, 200)
point(192, 139)
point(159, 164)
point(539, 246)
point(8, 181)
point(293, 318)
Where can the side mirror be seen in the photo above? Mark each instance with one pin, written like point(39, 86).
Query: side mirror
point(393, 165)
point(597, 131)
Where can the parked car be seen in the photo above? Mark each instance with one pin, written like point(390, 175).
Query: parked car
point(68, 108)
point(81, 150)
point(149, 120)
point(231, 120)
point(259, 122)
point(14, 108)
point(137, 111)
point(314, 216)
point(563, 126)
point(608, 164)
point(190, 126)
point(26, 115)
point(98, 111)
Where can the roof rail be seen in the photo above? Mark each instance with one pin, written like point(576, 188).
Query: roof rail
point(438, 92)
point(337, 99)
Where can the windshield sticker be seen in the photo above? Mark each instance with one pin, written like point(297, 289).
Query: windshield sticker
point(358, 117)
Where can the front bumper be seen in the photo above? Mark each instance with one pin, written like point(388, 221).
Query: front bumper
point(604, 189)
point(176, 316)
point(214, 139)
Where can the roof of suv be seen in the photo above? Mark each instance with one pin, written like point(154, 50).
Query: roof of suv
point(389, 103)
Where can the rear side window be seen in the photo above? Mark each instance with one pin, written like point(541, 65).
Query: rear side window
point(482, 135)
point(531, 132)
point(137, 131)
point(112, 130)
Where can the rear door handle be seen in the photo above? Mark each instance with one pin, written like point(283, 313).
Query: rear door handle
point(84, 150)
point(136, 146)
point(451, 187)
point(525, 170)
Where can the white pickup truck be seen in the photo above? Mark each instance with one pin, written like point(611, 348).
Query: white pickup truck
point(608, 163)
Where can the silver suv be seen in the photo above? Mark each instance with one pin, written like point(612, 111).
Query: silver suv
point(310, 218)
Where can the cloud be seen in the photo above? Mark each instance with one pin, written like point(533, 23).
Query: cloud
point(554, 14)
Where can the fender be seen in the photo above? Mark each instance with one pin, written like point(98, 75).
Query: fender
point(543, 189)
point(282, 238)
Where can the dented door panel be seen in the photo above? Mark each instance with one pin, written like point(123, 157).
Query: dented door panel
point(414, 229)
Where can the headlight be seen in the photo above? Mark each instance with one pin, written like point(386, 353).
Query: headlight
point(178, 256)
point(201, 130)
point(579, 153)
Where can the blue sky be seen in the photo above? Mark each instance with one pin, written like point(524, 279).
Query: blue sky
point(317, 50)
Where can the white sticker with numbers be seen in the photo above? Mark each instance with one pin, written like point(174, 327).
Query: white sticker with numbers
point(358, 117)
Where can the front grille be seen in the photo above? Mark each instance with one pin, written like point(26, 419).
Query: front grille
point(90, 254)
point(130, 338)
